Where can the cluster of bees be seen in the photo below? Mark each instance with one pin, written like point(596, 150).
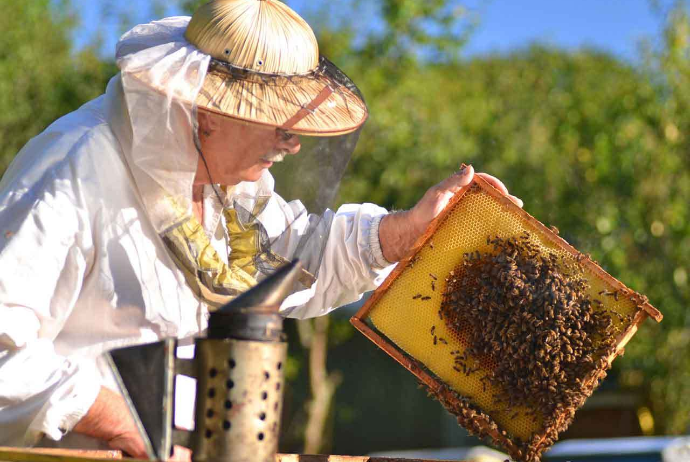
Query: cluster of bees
point(528, 315)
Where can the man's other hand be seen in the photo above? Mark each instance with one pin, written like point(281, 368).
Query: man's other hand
point(109, 420)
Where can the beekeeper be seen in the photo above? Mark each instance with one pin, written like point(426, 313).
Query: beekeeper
point(127, 220)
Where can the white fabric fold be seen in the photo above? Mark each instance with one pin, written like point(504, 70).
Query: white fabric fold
point(347, 269)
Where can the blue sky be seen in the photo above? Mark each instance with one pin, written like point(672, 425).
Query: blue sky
point(615, 26)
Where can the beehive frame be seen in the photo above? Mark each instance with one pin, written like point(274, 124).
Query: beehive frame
point(403, 282)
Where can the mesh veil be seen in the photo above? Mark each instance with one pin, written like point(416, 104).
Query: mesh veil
point(284, 215)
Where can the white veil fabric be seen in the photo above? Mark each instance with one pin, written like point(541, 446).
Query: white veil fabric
point(162, 154)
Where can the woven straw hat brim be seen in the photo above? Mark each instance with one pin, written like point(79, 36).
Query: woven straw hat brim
point(276, 101)
point(273, 101)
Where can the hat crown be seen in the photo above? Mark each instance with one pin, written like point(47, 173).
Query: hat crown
point(259, 35)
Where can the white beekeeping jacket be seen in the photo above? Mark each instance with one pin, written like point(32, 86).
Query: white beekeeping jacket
point(83, 270)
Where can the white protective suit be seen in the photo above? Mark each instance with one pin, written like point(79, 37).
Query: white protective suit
point(83, 270)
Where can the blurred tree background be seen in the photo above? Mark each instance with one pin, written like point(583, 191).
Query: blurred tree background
point(594, 145)
point(41, 77)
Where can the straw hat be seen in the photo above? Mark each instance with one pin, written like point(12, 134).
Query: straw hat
point(266, 69)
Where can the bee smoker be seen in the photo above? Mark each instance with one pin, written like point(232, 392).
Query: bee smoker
point(238, 369)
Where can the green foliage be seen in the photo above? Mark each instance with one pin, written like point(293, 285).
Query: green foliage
point(40, 78)
point(433, 28)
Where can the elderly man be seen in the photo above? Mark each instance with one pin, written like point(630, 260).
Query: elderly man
point(127, 220)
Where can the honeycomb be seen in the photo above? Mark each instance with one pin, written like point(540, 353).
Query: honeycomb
point(413, 323)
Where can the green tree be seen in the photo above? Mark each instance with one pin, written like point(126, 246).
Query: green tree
point(41, 78)
point(662, 364)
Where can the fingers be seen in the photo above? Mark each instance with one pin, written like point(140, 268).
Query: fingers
point(516, 200)
point(498, 184)
point(495, 182)
point(458, 180)
point(462, 178)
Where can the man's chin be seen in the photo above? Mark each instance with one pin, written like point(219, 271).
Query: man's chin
point(255, 173)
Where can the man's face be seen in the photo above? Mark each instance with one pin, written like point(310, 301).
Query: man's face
point(237, 151)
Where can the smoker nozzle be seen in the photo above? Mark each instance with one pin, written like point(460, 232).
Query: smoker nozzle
point(254, 314)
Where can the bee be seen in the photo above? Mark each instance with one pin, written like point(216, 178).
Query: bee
point(414, 260)
point(417, 296)
point(426, 298)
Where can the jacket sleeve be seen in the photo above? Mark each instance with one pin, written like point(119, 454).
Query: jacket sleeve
point(44, 255)
point(352, 263)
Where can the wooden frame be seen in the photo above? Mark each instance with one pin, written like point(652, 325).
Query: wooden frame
point(482, 424)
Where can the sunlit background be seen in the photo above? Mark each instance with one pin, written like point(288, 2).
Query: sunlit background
point(581, 107)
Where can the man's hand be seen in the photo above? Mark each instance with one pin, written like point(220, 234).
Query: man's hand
point(399, 231)
point(109, 420)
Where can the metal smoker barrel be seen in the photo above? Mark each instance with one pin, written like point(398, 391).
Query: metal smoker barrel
point(240, 379)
